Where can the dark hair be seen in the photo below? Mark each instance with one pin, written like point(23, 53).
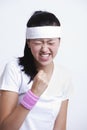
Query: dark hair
point(39, 18)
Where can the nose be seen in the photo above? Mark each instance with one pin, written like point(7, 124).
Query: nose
point(44, 47)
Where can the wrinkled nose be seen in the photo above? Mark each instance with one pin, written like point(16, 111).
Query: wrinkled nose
point(44, 47)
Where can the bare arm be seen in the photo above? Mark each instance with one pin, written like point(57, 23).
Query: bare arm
point(12, 115)
point(60, 123)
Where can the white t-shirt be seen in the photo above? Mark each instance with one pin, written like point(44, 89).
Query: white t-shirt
point(44, 113)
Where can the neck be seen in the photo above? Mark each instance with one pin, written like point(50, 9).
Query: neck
point(46, 68)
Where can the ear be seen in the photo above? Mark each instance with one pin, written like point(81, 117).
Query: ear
point(59, 41)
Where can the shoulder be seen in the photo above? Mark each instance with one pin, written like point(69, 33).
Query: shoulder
point(13, 65)
point(11, 70)
point(62, 72)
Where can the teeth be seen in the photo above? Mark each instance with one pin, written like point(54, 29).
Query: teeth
point(44, 55)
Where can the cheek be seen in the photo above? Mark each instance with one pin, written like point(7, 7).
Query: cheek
point(55, 50)
point(34, 50)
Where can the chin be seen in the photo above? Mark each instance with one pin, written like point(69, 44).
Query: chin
point(45, 63)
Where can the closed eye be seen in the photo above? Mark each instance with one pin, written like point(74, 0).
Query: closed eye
point(37, 42)
point(51, 43)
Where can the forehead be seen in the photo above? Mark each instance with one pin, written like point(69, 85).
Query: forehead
point(44, 39)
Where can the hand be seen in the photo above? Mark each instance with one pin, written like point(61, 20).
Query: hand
point(40, 83)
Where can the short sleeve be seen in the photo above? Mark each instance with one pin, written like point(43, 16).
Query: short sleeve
point(67, 90)
point(10, 79)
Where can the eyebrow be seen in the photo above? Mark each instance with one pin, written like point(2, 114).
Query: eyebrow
point(42, 40)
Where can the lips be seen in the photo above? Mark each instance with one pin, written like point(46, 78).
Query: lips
point(44, 57)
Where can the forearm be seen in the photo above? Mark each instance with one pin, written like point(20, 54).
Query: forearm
point(60, 122)
point(59, 128)
point(14, 120)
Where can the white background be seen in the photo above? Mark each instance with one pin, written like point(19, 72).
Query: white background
point(73, 49)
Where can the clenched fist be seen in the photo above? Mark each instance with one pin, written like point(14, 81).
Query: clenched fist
point(40, 83)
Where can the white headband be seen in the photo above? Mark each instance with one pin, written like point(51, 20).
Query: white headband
point(43, 32)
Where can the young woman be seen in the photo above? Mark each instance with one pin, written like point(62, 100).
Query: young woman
point(35, 91)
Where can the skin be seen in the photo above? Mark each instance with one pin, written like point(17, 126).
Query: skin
point(0, 95)
point(13, 115)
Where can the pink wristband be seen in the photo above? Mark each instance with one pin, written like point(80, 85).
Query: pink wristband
point(29, 100)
